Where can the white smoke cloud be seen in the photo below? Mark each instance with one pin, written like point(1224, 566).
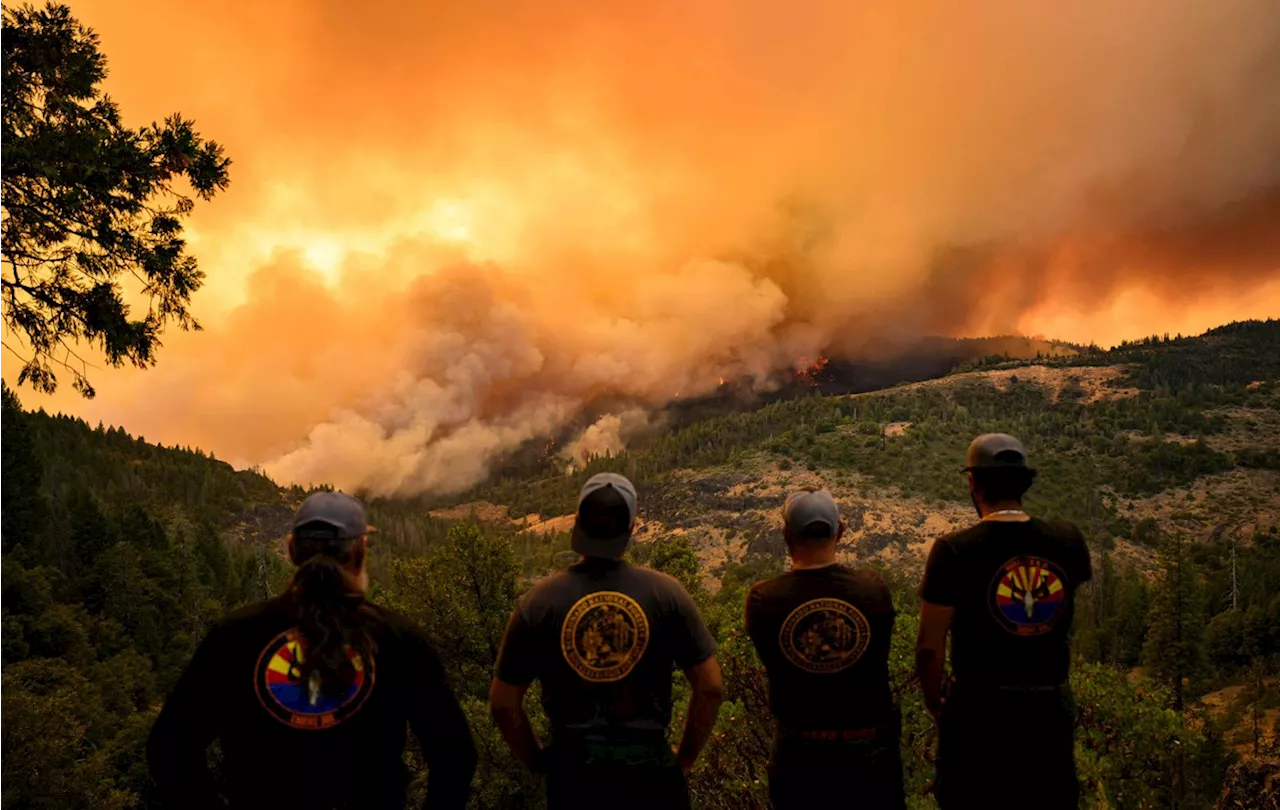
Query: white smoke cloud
point(503, 212)
point(608, 435)
point(481, 370)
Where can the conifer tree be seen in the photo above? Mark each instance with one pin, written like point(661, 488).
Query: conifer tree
point(89, 202)
point(25, 509)
point(1174, 652)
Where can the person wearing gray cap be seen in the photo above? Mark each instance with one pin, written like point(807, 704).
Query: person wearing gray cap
point(1004, 591)
point(822, 631)
point(310, 694)
point(603, 638)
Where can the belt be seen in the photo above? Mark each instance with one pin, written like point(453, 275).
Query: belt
point(843, 735)
point(836, 735)
point(955, 685)
point(634, 750)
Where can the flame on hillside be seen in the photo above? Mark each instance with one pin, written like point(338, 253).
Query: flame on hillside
point(809, 370)
point(500, 214)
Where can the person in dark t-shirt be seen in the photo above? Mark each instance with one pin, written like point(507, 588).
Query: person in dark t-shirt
point(311, 694)
point(603, 638)
point(1004, 590)
point(822, 631)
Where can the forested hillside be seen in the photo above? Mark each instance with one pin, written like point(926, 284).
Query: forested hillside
point(1172, 412)
point(117, 556)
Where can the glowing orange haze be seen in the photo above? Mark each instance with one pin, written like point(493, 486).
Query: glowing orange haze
point(452, 224)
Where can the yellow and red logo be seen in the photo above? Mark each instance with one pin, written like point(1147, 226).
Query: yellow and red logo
point(285, 696)
point(1028, 596)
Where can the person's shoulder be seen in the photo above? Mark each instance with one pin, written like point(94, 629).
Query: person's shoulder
point(663, 583)
point(960, 539)
point(257, 620)
point(394, 619)
point(1068, 534)
point(869, 587)
point(540, 600)
point(866, 578)
point(398, 630)
point(254, 613)
point(767, 588)
point(547, 586)
point(1061, 529)
point(1071, 540)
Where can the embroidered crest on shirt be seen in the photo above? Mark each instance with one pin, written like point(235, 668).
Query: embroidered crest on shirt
point(281, 691)
point(604, 636)
point(1028, 595)
point(824, 636)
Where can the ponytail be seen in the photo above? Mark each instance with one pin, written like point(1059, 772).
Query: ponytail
point(332, 617)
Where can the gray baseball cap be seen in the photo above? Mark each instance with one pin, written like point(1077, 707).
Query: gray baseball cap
point(992, 450)
point(330, 516)
point(803, 509)
point(609, 548)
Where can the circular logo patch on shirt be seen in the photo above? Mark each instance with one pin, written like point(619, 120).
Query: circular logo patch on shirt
point(604, 636)
point(1028, 595)
point(825, 636)
point(285, 696)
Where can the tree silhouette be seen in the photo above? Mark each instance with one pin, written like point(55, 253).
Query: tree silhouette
point(88, 201)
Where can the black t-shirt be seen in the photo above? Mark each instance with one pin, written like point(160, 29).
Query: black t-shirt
point(603, 637)
point(285, 747)
point(1012, 585)
point(823, 636)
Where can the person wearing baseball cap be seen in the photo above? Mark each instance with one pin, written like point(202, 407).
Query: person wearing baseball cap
point(603, 637)
point(822, 631)
point(310, 694)
point(1004, 592)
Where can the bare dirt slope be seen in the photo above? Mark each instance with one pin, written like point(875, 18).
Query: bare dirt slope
point(730, 511)
point(1094, 383)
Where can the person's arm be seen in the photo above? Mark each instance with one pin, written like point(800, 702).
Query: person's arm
point(506, 705)
point(517, 666)
point(441, 728)
point(177, 747)
point(1086, 562)
point(935, 623)
point(938, 598)
point(694, 652)
point(751, 614)
point(704, 705)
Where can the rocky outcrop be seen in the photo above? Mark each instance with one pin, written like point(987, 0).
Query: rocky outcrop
point(1252, 784)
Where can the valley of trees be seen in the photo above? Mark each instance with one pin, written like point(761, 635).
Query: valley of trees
point(118, 555)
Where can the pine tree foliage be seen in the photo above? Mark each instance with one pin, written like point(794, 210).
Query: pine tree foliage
point(1174, 653)
point(89, 202)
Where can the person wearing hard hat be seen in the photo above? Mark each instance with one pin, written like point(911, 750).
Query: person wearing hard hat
point(603, 638)
point(822, 631)
point(1004, 591)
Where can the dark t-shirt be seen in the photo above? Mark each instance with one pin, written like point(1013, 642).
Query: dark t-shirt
point(1012, 585)
point(285, 747)
point(604, 637)
point(823, 636)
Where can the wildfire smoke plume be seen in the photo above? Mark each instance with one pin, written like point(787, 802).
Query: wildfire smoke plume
point(454, 225)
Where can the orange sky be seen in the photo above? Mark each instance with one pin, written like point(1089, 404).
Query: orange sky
point(452, 224)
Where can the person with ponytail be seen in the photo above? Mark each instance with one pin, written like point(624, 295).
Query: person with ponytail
point(310, 695)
